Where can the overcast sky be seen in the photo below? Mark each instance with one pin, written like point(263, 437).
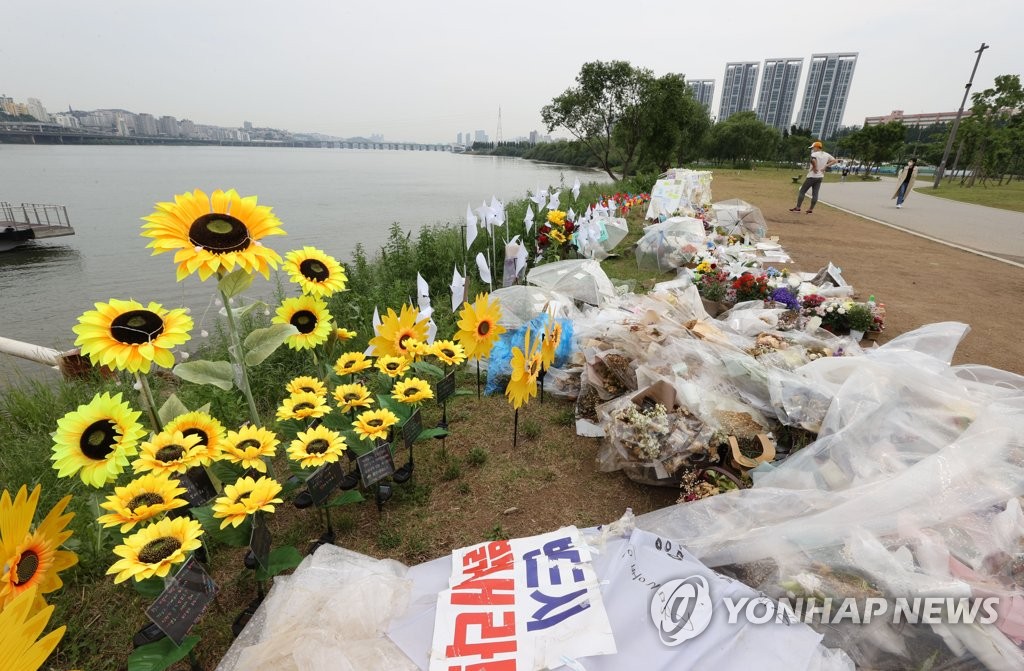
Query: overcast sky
point(426, 70)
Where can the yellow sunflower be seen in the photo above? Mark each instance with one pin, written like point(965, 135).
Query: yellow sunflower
point(395, 330)
point(374, 423)
point(557, 235)
point(556, 217)
point(32, 558)
point(129, 336)
point(412, 390)
point(153, 550)
point(308, 314)
point(478, 326)
point(392, 366)
point(351, 363)
point(249, 446)
point(351, 396)
point(344, 334)
point(448, 351)
point(316, 447)
point(210, 431)
point(306, 384)
point(316, 273)
point(214, 234)
point(96, 440)
point(244, 498)
point(141, 499)
point(522, 386)
point(19, 627)
point(170, 452)
point(302, 406)
point(549, 343)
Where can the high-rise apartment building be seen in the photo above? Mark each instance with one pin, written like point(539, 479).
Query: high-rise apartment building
point(147, 125)
point(776, 99)
point(826, 92)
point(168, 125)
point(738, 89)
point(703, 91)
point(36, 109)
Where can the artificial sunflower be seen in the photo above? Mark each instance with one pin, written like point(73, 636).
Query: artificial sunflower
point(343, 334)
point(316, 273)
point(170, 452)
point(153, 550)
point(448, 351)
point(556, 217)
point(351, 363)
point(316, 447)
point(141, 499)
point(352, 396)
point(478, 326)
point(557, 235)
point(392, 366)
point(210, 431)
point(96, 440)
point(310, 316)
point(522, 386)
point(214, 234)
point(306, 384)
point(244, 498)
point(129, 336)
point(19, 627)
point(395, 330)
point(374, 424)
point(32, 558)
point(302, 406)
point(416, 349)
point(549, 343)
point(412, 390)
point(249, 446)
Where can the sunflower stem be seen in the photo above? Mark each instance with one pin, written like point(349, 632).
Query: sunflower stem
point(236, 354)
point(149, 401)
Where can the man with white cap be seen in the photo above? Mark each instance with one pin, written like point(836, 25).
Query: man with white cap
point(820, 161)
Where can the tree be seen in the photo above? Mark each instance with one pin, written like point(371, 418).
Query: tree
point(672, 123)
point(873, 145)
point(603, 111)
point(743, 138)
point(994, 132)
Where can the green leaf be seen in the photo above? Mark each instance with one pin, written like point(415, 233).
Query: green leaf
point(150, 587)
point(246, 309)
point(463, 392)
point(229, 535)
point(261, 343)
point(281, 559)
point(351, 496)
point(428, 369)
point(160, 655)
point(225, 471)
point(217, 373)
point(432, 433)
point(235, 282)
point(171, 408)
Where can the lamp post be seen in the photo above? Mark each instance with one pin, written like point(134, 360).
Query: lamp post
point(956, 122)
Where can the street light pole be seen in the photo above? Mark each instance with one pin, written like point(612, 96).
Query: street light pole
point(956, 122)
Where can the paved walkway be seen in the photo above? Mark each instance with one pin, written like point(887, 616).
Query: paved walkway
point(986, 229)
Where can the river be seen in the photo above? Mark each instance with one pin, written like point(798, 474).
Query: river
point(328, 198)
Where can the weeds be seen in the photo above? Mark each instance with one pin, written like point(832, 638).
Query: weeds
point(477, 456)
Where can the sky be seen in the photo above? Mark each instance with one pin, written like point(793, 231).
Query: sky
point(425, 71)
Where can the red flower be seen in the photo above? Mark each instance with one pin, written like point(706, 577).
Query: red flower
point(542, 240)
point(569, 227)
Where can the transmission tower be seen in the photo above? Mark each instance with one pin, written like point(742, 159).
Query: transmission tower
point(497, 135)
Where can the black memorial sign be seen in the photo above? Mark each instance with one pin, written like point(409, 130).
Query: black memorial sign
point(183, 601)
point(411, 429)
point(324, 481)
point(376, 464)
point(259, 542)
point(199, 489)
point(445, 387)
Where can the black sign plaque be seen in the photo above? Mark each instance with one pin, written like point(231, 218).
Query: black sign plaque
point(199, 489)
point(445, 387)
point(183, 601)
point(259, 542)
point(376, 464)
point(411, 429)
point(324, 481)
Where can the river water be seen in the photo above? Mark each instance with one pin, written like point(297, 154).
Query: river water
point(328, 198)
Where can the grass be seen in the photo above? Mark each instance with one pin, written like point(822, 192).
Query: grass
point(1008, 196)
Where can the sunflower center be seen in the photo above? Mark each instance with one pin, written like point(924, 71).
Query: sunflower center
point(169, 453)
point(147, 499)
point(97, 441)
point(412, 391)
point(314, 270)
point(450, 353)
point(401, 341)
point(318, 446)
point(375, 422)
point(351, 396)
point(27, 567)
point(391, 365)
point(249, 443)
point(136, 327)
point(203, 438)
point(219, 233)
point(483, 328)
point(303, 406)
point(308, 390)
point(156, 551)
point(304, 320)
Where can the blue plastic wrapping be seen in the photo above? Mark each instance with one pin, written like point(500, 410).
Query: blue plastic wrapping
point(499, 367)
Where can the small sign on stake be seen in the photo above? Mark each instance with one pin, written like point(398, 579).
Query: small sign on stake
point(411, 429)
point(183, 601)
point(376, 464)
point(323, 481)
point(199, 489)
point(259, 542)
point(445, 387)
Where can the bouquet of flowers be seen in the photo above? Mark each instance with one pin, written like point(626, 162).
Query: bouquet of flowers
point(750, 287)
point(554, 238)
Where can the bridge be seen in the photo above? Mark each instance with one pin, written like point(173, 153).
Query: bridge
point(46, 133)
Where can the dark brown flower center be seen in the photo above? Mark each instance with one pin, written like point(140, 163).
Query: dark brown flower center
point(303, 406)
point(192, 431)
point(304, 320)
point(483, 328)
point(411, 391)
point(317, 446)
point(169, 453)
point(247, 443)
point(27, 567)
point(315, 270)
point(136, 327)
point(392, 365)
point(401, 341)
point(219, 233)
point(156, 551)
point(97, 441)
point(147, 499)
point(450, 353)
point(308, 390)
point(352, 396)
point(375, 422)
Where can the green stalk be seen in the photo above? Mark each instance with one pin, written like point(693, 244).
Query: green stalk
point(236, 354)
point(149, 401)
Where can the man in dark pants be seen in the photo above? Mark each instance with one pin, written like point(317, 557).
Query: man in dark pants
point(820, 161)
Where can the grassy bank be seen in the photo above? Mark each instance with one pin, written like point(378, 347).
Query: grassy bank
point(1008, 196)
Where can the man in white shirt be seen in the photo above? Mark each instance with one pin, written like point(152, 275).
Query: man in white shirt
point(820, 161)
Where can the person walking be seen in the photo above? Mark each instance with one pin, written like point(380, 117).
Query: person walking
point(819, 163)
point(846, 171)
point(905, 182)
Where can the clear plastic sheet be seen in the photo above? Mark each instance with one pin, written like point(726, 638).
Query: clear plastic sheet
point(670, 244)
point(583, 280)
point(521, 303)
point(739, 217)
point(597, 236)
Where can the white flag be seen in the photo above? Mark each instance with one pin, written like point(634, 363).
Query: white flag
point(553, 200)
point(520, 256)
point(485, 270)
point(458, 287)
point(422, 293)
point(470, 226)
point(528, 219)
point(497, 211)
point(376, 331)
point(570, 215)
point(431, 331)
point(576, 189)
point(539, 197)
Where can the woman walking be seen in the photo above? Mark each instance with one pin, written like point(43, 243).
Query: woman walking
point(905, 182)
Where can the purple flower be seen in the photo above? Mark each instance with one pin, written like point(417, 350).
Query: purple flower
point(785, 296)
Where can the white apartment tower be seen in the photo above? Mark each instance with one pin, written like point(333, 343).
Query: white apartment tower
point(826, 92)
point(738, 89)
point(703, 91)
point(776, 99)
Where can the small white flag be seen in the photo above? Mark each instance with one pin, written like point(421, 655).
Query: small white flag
point(528, 219)
point(539, 197)
point(570, 215)
point(458, 287)
point(497, 211)
point(553, 200)
point(431, 331)
point(485, 270)
point(422, 292)
point(470, 226)
point(576, 189)
point(376, 331)
point(520, 257)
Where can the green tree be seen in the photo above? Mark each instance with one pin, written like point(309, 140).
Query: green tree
point(673, 123)
point(743, 138)
point(994, 132)
point(603, 111)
